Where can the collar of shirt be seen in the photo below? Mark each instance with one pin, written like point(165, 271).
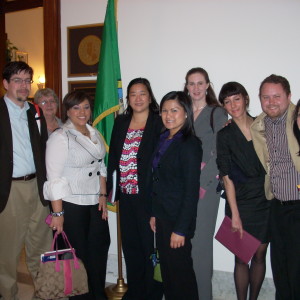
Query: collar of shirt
point(278, 121)
point(15, 110)
point(165, 135)
point(70, 126)
point(93, 134)
point(163, 145)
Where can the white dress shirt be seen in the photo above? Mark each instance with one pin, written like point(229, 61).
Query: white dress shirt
point(74, 165)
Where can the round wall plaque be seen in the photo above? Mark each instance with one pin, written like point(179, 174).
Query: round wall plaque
point(89, 50)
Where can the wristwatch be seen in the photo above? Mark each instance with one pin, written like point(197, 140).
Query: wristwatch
point(57, 214)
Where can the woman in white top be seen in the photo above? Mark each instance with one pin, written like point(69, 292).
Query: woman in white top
point(76, 187)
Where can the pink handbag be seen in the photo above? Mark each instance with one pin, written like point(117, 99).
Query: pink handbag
point(61, 273)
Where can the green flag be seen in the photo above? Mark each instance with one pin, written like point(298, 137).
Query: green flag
point(109, 85)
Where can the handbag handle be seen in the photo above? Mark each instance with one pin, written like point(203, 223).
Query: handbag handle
point(154, 240)
point(54, 243)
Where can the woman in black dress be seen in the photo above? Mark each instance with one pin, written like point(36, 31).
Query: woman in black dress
point(243, 177)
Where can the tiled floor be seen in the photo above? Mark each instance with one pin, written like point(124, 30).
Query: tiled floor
point(26, 290)
point(25, 284)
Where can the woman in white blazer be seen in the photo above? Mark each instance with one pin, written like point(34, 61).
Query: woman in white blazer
point(76, 187)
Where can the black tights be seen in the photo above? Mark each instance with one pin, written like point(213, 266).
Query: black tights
point(253, 275)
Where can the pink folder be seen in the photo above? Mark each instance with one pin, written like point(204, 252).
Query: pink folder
point(243, 248)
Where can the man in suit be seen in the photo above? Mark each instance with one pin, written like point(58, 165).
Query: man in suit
point(277, 149)
point(22, 155)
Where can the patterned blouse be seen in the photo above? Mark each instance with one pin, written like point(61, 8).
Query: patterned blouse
point(128, 161)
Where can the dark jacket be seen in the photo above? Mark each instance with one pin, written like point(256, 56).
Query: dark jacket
point(176, 184)
point(148, 144)
point(38, 144)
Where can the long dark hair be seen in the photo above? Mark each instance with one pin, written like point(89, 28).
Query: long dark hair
point(185, 102)
point(295, 125)
point(211, 98)
point(153, 106)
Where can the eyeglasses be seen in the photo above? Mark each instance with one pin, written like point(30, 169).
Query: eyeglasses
point(20, 80)
point(47, 101)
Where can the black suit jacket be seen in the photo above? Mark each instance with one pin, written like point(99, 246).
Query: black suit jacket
point(148, 144)
point(176, 184)
point(38, 144)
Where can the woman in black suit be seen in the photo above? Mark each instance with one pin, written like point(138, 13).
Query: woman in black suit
point(175, 192)
point(133, 141)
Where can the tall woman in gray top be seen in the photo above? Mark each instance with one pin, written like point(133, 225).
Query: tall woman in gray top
point(209, 118)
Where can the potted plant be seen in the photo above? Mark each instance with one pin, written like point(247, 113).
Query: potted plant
point(10, 50)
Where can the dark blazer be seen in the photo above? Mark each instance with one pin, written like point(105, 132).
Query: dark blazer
point(38, 144)
point(148, 144)
point(176, 184)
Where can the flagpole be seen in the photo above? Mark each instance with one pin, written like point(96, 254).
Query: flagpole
point(117, 291)
point(116, 11)
point(107, 102)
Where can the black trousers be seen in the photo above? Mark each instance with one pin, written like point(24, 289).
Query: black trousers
point(89, 235)
point(137, 242)
point(176, 265)
point(285, 249)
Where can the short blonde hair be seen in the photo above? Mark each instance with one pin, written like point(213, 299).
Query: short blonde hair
point(44, 92)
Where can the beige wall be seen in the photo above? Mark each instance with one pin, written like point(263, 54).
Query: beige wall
point(25, 30)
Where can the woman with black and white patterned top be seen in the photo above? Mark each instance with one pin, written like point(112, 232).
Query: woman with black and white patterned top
point(133, 141)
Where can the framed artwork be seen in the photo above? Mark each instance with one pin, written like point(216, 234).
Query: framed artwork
point(84, 43)
point(21, 56)
point(88, 86)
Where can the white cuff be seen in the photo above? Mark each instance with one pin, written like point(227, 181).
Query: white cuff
point(56, 189)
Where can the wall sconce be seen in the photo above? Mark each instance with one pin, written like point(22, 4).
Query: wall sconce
point(41, 82)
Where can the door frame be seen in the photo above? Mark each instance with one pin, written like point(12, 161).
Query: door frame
point(52, 38)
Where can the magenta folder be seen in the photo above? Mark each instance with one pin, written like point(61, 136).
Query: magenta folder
point(243, 248)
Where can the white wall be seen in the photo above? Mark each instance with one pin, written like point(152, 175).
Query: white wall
point(236, 40)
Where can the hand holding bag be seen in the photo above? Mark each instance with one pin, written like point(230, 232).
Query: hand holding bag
point(61, 273)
